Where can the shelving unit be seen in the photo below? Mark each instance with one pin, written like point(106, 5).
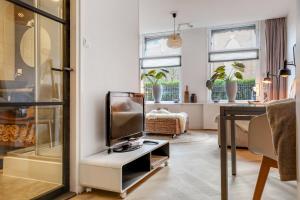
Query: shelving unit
point(117, 172)
point(157, 161)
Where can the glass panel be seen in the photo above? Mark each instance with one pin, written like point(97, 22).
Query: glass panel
point(30, 46)
point(234, 38)
point(49, 86)
point(31, 138)
point(245, 86)
point(30, 151)
point(54, 7)
point(161, 62)
point(158, 47)
point(231, 56)
point(171, 86)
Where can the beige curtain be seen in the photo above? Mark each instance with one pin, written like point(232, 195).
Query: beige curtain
point(276, 54)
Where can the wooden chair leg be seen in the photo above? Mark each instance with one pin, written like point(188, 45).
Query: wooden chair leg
point(266, 164)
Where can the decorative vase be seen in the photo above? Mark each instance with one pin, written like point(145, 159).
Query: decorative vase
point(193, 98)
point(231, 90)
point(186, 95)
point(157, 93)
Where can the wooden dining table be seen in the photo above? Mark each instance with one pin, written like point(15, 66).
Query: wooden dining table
point(233, 112)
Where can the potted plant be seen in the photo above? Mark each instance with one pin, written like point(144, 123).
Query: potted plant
point(230, 74)
point(155, 77)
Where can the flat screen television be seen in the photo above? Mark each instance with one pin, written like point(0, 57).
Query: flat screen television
point(125, 117)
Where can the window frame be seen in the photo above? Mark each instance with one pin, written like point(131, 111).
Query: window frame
point(143, 41)
point(234, 27)
point(158, 58)
point(143, 50)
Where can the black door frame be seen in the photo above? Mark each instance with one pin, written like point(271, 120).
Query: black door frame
point(65, 21)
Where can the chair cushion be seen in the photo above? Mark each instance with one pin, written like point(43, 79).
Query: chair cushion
point(243, 125)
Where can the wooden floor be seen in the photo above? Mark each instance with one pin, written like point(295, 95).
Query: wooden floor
point(12, 188)
point(194, 174)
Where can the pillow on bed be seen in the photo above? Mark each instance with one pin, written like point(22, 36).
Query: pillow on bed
point(160, 111)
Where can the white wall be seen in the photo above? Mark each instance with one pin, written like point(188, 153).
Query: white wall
point(194, 71)
point(109, 62)
point(105, 56)
point(291, 39)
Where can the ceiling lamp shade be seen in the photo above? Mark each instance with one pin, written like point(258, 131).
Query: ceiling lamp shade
point(174, 40)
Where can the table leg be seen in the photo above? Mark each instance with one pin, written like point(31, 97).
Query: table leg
point(224, 168)
point(233, 148)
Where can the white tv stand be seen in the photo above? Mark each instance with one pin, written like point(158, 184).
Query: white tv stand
point(117, 172)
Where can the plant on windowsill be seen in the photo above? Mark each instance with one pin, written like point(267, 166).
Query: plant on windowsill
point(236, 71)
point(155, 77)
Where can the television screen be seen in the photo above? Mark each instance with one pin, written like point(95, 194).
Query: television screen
point(125, 116)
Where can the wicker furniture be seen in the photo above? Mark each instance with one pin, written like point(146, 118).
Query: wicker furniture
point(17, 131)
point(165, 126)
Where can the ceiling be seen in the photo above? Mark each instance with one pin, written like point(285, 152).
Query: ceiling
point(155, 14)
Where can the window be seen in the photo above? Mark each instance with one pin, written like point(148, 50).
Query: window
point(157, 55)
point(228, 45)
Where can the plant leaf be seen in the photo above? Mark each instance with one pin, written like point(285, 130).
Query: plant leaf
point(214, 76)
point(220, 69)
point(160, 75)
point(239, 66)
point(152, 72)
point(143, 76)
point(238, 75)
point(222, 76)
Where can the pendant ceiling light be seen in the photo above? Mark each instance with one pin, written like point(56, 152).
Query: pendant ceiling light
point(174, 40)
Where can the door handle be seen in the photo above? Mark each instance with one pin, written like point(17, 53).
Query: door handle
point(68, 69)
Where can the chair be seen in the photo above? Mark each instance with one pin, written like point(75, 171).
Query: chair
point(260, 142)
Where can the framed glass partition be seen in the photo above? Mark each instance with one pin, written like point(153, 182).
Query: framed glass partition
point(34, 98)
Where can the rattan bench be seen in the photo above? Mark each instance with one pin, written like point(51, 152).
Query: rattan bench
point(164, 126)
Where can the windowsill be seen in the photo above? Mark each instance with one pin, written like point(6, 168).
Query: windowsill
point(222, 102)
point(172, 103)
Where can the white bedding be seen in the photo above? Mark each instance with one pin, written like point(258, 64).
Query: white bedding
point(164, 114)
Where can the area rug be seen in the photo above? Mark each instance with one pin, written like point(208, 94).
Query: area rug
point(190, 136)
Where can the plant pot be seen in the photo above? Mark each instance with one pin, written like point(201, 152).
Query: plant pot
point(231, 90)
point(157, 93)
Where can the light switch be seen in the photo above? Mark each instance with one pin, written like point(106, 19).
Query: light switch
point(19, 71)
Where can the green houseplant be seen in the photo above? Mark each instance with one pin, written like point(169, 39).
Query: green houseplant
point(230, 74)
point(155, 77)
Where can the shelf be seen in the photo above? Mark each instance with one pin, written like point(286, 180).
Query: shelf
point(121, 171)
point(130, 179)
point(157, 161)
point(172, 103)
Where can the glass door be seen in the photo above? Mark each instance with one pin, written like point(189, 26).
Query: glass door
point(34, 98)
